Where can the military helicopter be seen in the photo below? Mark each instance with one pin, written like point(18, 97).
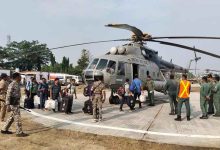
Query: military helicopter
point(136, 59)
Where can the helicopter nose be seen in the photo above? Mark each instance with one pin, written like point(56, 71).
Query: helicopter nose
point(91, 75)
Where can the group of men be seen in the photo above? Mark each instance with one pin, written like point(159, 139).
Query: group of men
point(54, 92)
point(179, 93)
point(133, 91)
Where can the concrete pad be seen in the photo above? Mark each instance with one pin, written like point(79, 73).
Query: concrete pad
point(149, 123)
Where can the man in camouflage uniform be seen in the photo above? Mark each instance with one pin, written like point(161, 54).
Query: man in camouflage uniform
point(216, 96)
point(150, 89)
point(3, 91)
point(171, 88)
point(99, 97)
point(13, 103)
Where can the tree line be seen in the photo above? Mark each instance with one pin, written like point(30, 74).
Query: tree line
point(36, 56)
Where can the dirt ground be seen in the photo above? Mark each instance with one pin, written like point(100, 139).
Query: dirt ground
point(47, 138)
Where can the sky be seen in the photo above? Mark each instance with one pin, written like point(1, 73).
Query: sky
point(64, 22)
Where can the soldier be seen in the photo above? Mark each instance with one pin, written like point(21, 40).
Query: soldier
point(99, 97)
point(3, 91)
point(183, 92)
point(171, 87)
point(13, 103)
point(205, 92)
point(210, 102)
point(150, 90)
point(216, 96)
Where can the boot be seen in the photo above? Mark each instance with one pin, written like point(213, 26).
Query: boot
point(204, 117)
point(172, 113)
point(188, 118)
point(6, 132)
point(178, 118)
point(22, 135)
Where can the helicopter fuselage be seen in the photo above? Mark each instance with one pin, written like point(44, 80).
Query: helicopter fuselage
point(125, 62)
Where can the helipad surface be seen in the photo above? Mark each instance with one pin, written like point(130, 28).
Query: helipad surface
point(148, 123)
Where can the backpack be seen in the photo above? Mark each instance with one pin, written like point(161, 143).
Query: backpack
point(133, 88)
point(121, 91)
point(87, 90)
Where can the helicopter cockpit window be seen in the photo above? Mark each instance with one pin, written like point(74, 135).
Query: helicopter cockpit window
point(93, 64)
point(121, 68)
point(111, 67)
point(102, 64)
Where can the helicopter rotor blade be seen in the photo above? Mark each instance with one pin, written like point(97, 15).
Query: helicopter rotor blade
point(186, 47)
point(187, 37)
point(86, 43)
point(60, 47)
point(133, 29)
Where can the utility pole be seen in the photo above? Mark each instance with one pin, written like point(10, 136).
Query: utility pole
point(8, 39)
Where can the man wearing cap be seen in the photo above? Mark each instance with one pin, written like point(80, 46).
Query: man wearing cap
point(216, 96)
point(3, 92)
point(13, 104)
point(210, 102)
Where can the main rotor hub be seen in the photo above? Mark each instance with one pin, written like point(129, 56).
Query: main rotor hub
point(145, 37)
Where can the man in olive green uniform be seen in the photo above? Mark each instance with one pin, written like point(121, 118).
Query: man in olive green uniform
point(216, 96)
point(171, 88)
point(3, 91)
point(210, 102)
point(99, 97)
point(150, 89)
point(13, 103)
point(205, 92)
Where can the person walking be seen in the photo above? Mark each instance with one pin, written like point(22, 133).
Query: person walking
point(183, 91)
point(3, 92)
point(13, 103)
point(205, 92)
point(171, 89)
point(136, 87)
point(43, 91)
point(98, 99)
point(150, 90)
point(125, 98)
point(216, 96)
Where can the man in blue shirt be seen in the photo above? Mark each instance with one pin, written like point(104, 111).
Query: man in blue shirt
point(136, 85)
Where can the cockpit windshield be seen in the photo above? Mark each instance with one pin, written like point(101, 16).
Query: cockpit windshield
point(102, 64)
point(93, 64)
point(111, 67)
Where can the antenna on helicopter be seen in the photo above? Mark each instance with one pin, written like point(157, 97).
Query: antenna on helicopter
point(196, 60)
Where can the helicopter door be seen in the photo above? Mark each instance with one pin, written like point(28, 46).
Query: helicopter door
point(135, 70)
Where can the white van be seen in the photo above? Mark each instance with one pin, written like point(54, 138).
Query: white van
point(78, 79)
